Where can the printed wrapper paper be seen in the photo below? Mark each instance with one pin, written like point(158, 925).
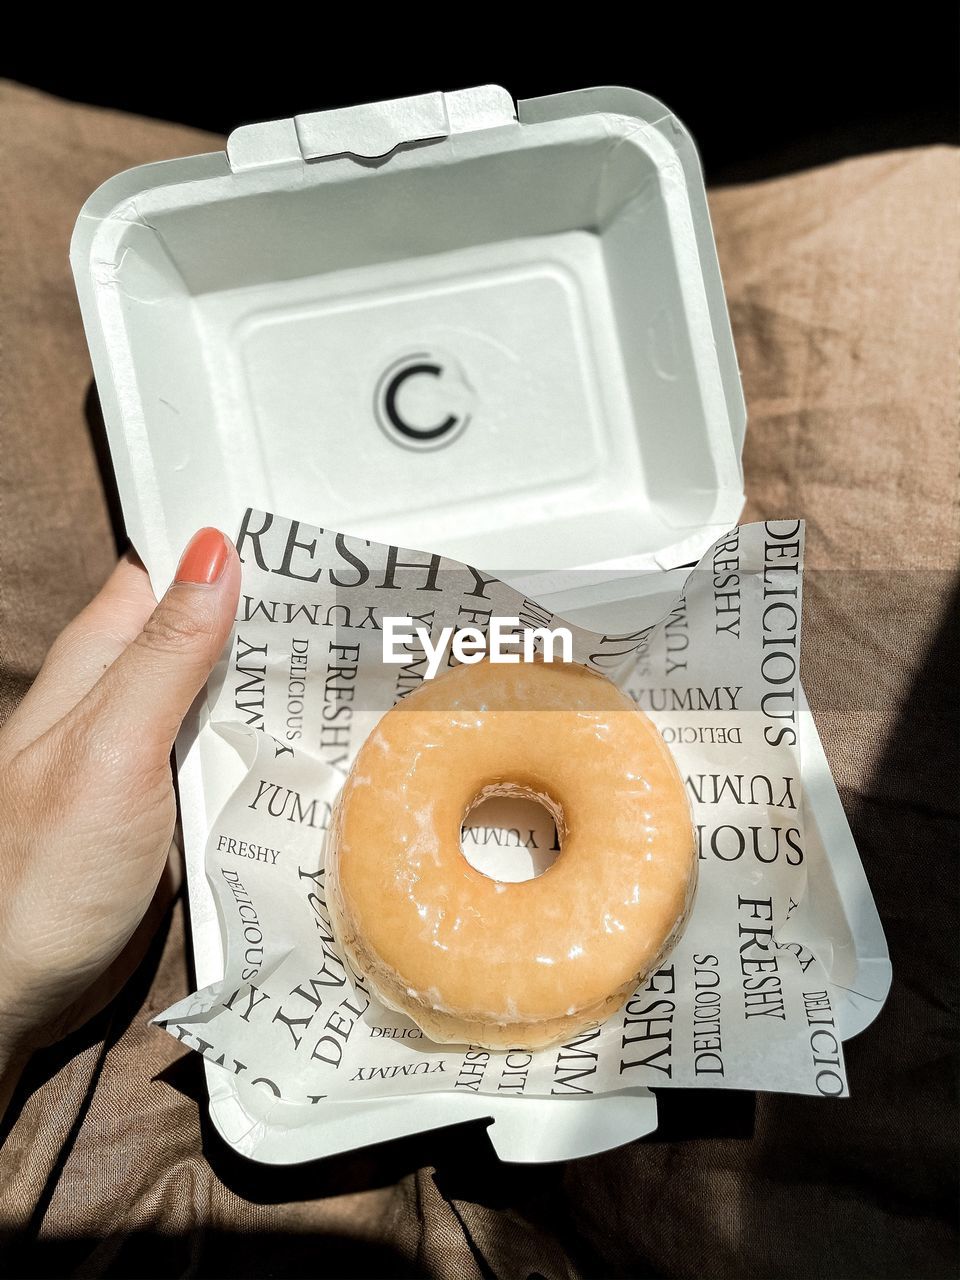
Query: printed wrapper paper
point(739, 1003)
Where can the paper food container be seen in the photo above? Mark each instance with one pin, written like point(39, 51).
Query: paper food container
point(487, 329)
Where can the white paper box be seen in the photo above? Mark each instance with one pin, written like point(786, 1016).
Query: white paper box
point(243, 309)
point(442, 322)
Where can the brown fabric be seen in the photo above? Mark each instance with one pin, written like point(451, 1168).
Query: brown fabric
point(843, 288)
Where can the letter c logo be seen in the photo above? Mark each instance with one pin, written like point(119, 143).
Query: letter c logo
point(423, 401)
point(390, 404)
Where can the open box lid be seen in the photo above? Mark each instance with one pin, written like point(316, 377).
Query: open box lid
point(443, 322)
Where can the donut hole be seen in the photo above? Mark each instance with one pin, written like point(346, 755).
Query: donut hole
point(511, 834)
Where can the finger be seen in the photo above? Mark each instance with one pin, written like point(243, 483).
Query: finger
point(140, 701)
point(82, 652)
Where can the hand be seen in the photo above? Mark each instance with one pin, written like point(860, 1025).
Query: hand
point(87, 807)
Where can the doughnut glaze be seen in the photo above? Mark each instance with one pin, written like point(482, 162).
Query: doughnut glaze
point(521, 964)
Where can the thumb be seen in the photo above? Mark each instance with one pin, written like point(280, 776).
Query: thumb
point(142, 698)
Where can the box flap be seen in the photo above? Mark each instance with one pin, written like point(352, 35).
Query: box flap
point(371, 130)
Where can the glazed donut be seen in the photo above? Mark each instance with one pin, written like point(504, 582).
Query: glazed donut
point(522, 964)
